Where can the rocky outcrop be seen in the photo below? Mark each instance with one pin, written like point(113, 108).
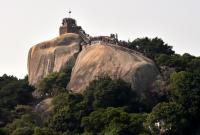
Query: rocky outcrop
point(89, 62)
point(43, 111)
point(115, 61)
point(52, 56)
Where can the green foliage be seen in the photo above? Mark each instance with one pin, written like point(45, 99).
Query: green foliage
point(193, 64)
point(151, 47)
point(185, 90)
point(60, 101)
point(185, 62)
point(166, 118)
point(47, 84)
point(181, 115)
point(26, 121)
point(69, 109)
point(63, 121)
point(43, 131)
point(67, 113)
point(106, 92)
point(113, 121)
point(4, 80)
point(13, 92)
point(71, 101)
point(3, 131)
point(22, 131)
point(55, 83)
point(26, 126)
point(64, 77)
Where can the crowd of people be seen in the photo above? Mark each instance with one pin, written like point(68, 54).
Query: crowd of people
point(87, 39)
point(112, 39)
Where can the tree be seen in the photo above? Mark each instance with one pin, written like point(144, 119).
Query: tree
point(185, 62)
point(113, 121)
point(54, 83)
point(106, 92)
point(185, 90)
point(193, 64)
point(69, 109)
point(64, 121)
point(47, 84)
point(151, 47)
point(166, 119)
point(13, 92)
point(22, 126)
point(64, 77)
point(67, 113)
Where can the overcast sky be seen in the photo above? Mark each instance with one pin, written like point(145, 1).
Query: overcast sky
point(24, 23)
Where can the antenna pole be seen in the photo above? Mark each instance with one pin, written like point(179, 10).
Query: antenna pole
point(70, 13)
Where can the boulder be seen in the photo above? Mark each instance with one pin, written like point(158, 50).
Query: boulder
point(52, 56)
point(43, 111)
point(115, 61)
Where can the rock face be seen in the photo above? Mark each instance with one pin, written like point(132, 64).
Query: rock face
point(115, 61)
point(89, 62)
point(52, 56)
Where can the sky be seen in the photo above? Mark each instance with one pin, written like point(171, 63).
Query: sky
point(24, 23)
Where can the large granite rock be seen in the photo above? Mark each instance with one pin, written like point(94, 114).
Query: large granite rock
point(115, 61)
point(52, 56)
point(89, 62)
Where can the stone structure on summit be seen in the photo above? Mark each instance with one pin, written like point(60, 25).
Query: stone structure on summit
point(69, 26)
point(90, 57)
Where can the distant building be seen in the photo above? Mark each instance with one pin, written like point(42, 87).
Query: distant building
point(69, 26)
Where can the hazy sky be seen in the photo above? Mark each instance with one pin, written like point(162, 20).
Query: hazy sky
point(24, 23)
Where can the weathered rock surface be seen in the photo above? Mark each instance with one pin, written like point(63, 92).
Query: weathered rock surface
point(44, 106)
point(52, 56)
point(43, 111)
point(89, 63)
point(115, 61)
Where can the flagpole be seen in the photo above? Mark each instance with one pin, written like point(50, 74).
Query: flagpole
point(70, 13)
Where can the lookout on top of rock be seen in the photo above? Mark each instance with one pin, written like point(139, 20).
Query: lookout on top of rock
point(89, 57)
point(69, 26)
